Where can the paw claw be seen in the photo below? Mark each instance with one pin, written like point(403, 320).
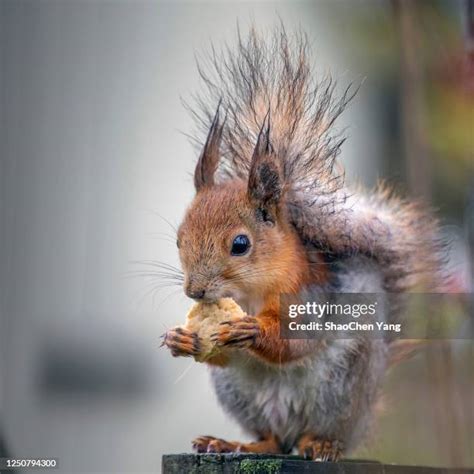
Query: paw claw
point(182, 342)
point(321, 450)
point(237, 332)
point(208, 444)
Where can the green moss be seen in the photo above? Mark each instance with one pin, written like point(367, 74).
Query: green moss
point(264, 466)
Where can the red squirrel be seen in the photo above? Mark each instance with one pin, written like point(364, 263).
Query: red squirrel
point(272, 215)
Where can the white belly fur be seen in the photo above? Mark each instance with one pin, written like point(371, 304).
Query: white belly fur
point(312, 396)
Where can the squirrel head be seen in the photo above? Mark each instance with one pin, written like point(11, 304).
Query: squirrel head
point(235, 240)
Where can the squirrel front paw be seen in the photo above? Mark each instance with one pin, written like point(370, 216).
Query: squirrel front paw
point(182, 342)
point(240, 332)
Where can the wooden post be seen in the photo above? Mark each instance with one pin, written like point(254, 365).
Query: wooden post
point(276, 464)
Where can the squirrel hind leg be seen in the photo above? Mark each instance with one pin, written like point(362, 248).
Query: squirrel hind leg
point(209, 444)
point(318, 449)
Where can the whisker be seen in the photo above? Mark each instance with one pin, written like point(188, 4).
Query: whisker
point(185, 371)
point(164, 234)
point(156, 275)
point(157, 270)
point(169, 295)
point(155, 263)
point(173, 227)
point(162, 238)
point(153, 290)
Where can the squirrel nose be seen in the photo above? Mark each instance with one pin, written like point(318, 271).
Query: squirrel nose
point(196, 294)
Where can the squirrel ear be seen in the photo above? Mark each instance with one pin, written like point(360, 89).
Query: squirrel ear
point(209, 159)
point(265, 186)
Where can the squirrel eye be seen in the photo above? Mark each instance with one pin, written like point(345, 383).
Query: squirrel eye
point(240, 245)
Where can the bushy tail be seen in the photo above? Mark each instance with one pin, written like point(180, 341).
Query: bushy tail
point(403, 236)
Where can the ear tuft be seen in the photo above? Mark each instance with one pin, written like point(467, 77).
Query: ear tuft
point(209, 159)
point(265, 186)
point(264, 146)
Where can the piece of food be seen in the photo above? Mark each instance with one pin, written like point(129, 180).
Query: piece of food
point(204, 319)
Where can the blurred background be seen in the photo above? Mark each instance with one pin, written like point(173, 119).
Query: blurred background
point(95, 171)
